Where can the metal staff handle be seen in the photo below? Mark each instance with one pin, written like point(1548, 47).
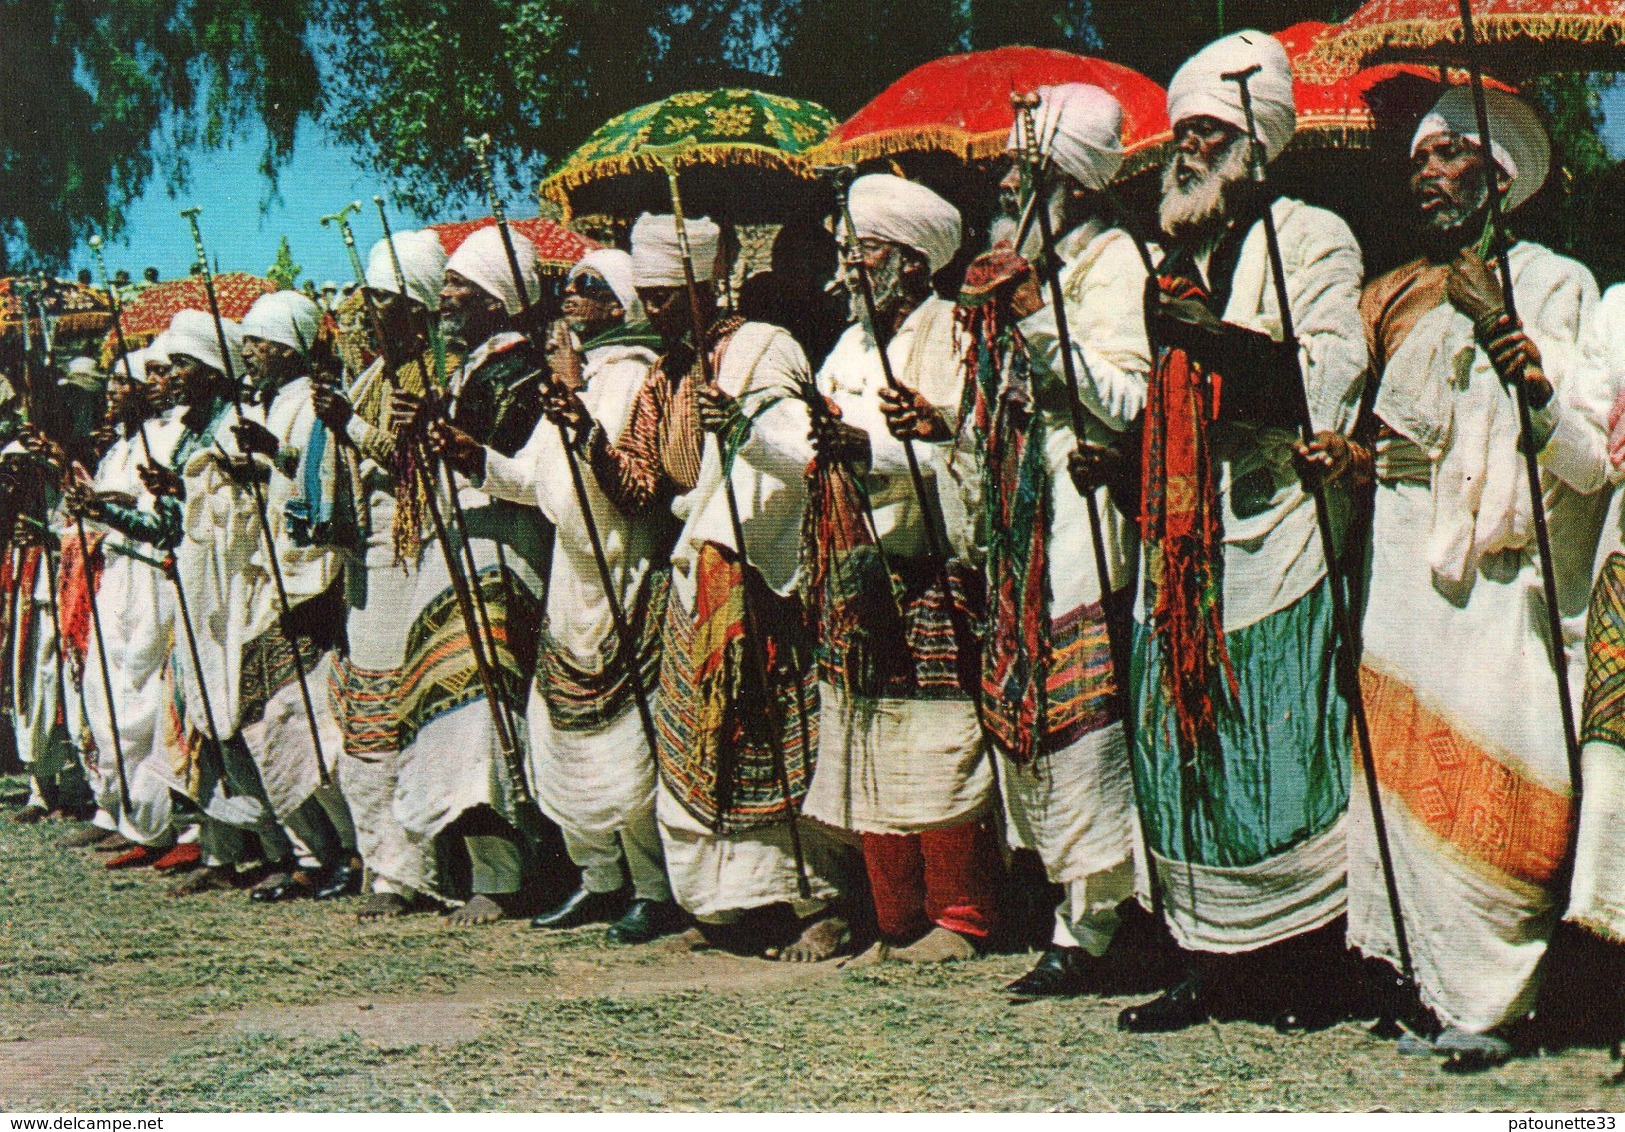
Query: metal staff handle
point(477, 628)
point(342, 219)
point(1342, 618)
point(167, 567)
point(623, 630)
point(1531, 459)
point(191, 215)
point(1037, 160)
point(667, 156)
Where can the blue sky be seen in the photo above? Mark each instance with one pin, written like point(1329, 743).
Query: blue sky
point(321, 179)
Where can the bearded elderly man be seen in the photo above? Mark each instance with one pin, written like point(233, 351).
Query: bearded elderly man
point(1047, 678)
point(1242, 738)
point(724, 817)
point(902, 763)
point(590, 757)
point(455, 776)
point(365, 687)
point(1470, 751)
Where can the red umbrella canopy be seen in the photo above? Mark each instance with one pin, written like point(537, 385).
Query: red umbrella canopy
point(960, 104)
point(557, 247)
point(1342, 105)
point(1518, 37)
point(148, 314)
point(78, 311)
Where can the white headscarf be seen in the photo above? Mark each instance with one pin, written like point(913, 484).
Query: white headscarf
point(423, 262)
point(616, 268)
point(158, 348)
point(1199, 88)
point(1517, 139)
point(482, 260)
point(886, 207)
point(1081, 128)
point(657, 260)
point(193, 333)
point(287, 318)
point(133, 366)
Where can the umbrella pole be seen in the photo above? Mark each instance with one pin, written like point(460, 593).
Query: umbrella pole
point(1345, 655)
point(1543, 538)
point(623, 630)
point(754, 646)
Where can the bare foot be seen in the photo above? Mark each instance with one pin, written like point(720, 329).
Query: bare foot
point(381, 906)
point(214, 878)
point(820, 939)
point(480, 910)
point(878, 952)
point(939, 945)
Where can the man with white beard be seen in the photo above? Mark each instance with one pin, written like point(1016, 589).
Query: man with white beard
point(1242, 737)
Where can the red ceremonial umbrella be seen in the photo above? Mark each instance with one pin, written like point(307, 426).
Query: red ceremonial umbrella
point(1515, 37)
point(960, 105)
point(148, 314)
point(557, 247)
point(76, 312)
point(1343, 106)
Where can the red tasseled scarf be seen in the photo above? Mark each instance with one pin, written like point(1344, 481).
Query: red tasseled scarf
point(1181, 526)
point(80, 578)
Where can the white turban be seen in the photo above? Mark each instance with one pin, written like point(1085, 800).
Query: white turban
point(1517, 140)
point(1199, 88)
point(193, 333)
point(133, 366)
point(886, 207)
point(616, 268)
point(423, 262)
point(1081, 128)
point(158, 348)
point(483, 261)
point(287, 318)
point(657, 259)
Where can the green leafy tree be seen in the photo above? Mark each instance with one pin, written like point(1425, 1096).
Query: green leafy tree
point(100, 97)
point(284, 272)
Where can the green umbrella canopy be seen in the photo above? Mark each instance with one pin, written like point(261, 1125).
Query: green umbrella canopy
point(744, 139)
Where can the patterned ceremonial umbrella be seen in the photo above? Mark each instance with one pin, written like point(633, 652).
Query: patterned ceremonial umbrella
point(78, 315)
point(557, 248)
point(1343, 107)
point(1516, 37)
point(960, 105)
point(746, 142)
point(148, 314)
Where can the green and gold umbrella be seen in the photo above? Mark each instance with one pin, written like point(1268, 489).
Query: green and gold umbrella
point(748, 146)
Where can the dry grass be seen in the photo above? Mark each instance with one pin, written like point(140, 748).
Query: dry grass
point(115, 998)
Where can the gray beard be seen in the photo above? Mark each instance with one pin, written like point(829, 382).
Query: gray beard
point(886, 281)
point(1453, 216)
point(1196, 212)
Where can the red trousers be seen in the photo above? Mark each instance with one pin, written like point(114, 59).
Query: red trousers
point(944, 877)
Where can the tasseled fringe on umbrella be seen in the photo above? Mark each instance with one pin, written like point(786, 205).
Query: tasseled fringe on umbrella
point(965, 146)
point(558, 187)
point(1361, 46)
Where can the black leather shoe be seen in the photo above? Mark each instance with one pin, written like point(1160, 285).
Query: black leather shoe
point(583, 907)
point(345, 881)
point(1177, 1008)
point(1059, 973)
point(645, 920)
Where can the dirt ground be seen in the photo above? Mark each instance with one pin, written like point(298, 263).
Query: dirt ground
point(115, 998)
